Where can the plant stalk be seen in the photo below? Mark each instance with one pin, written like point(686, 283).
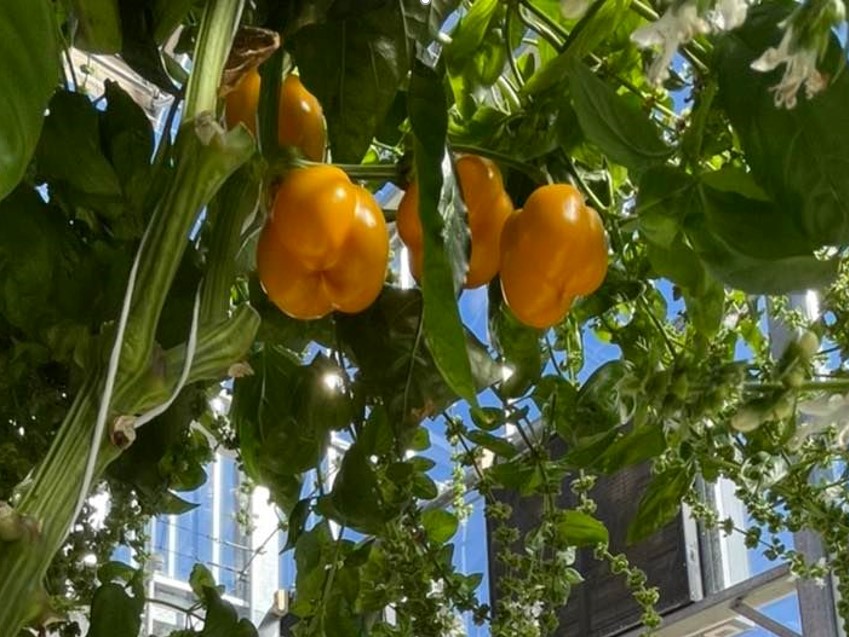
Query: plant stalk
point(204, 158)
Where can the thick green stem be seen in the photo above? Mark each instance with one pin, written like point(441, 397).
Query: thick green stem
point(50, 502)
point(232, 207)
point(204, 158)
point(218, 26)
point(835, 385)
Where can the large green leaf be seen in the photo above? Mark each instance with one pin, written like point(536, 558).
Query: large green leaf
point(518, 344)
point(471, 31)
point(42, 265)
point(127, 139)
point(747, 220)
point(440, 525)
point(356, 501)
point(663, 203)
point(703, 294)
point(70, 156)
point(221, 618)
point(114, 612)
point(395, 362)
point(754, 275)
point(799, 156)
point(623, 132)
point(580, 529)
point(29, 73)
point(167, 15)
point(313, 551)
point(280, 437)
point(593, 28)
point(139, 48)
point(444, 232)
point(424, 19)
point(638, 445)
point(660, 502)
point(732, 233)
point(354, 67)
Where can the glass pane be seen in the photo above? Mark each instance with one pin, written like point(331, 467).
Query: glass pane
point(234, 550)
point(194, 532)
point(470, 556)
point(160, 544)
point(785, 611)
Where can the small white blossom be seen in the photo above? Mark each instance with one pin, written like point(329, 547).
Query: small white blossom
point(677, 26)
point(730, 14)
point(821, 413)
point(800, 69)
point(573, 9)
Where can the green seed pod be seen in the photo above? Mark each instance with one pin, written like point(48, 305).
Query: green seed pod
point(747, 419)
point(809, 345)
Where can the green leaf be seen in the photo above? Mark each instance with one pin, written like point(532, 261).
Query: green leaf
point(222, 620)
point(322, 405)
point(440, 525)
point(488, 418)
point(312, 553)
point(496, 445)
point(663, 203)
point(377, 437)
point(424, 487)
point(112, 571)
point(296, 522)
point(35, 246)
point(660, 503)
point(420, 441)
point(354, 67)
point(356, 498)
point(114, 612)
point(423, 20)
point(29, 73)
point(442, 229)
point(577, 528)
point(758, 276)
point(518, 344)
point(586, 451)
point(70, 153)
point(139, 48)
point(704, 295)
point(589, 32)
point(799, 155)
point(752, 226)
point(519, 474)
point(471, 31)
point(200, 579)
point(279, 437)
point(638, 445)
point(623, 132)
point(98, 26)
point(600, 400)
point(128, 144)
point(167, 16)
point(396, 363)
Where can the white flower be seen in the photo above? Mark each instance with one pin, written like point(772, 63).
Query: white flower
point(730, 14)
point(800, 68)
point(820, 414)
point(573, 9)
point(677, 26)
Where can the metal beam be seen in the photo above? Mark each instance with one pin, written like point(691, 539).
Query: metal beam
point(780, 630)
point(817, 607)
point(716, 608)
